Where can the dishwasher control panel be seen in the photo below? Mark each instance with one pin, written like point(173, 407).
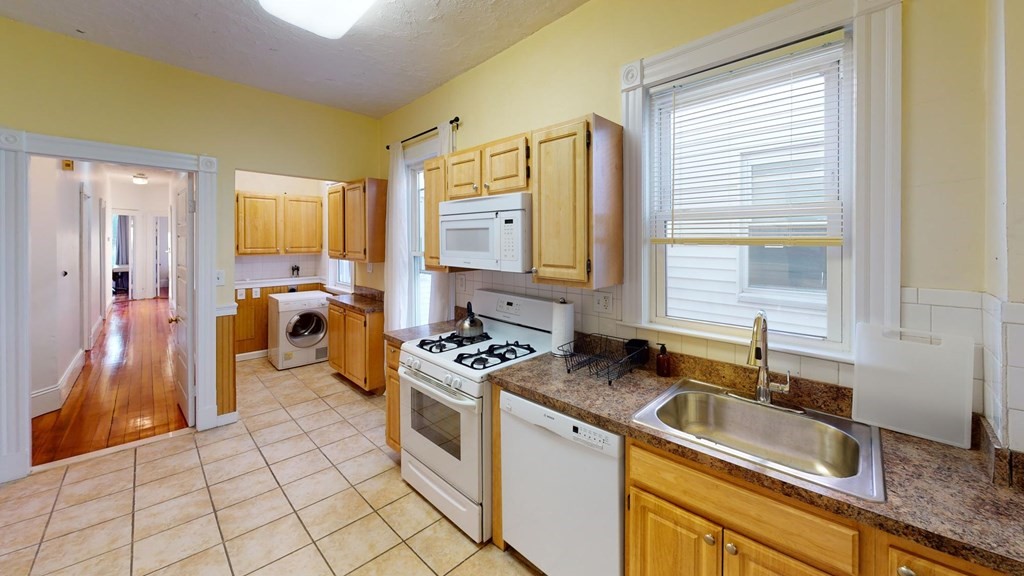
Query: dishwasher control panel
point(562, 425)
point(592, 437)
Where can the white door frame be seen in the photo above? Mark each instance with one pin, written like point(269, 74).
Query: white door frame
point(15, 148)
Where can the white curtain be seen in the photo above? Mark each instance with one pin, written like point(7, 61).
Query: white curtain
point(397, 259)
point(441, 307)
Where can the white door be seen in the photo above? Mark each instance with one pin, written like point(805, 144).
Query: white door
point(184, 376)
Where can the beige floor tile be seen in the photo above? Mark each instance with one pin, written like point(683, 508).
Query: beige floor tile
point(384, 488)
point(334, 512)
point(367, 420)
point(18, 563)
point(357, 544)
point(166, 466)
point(209, 562)
point(379, 401)
point(266, 420)
point(96, 487)
point(493, 562)
point(319, 420)
point(33, 483)
point(80, 516)
point(315, 487)
point(225, 448)
point(306, 408)
point(409, 514)
point(332, 433)
point(276, 433)
point(398, 560)
point(220, 433)
point(365, 466)
point(443, 546)
point(297, 397)
point(168, 488)
point(242, 488)
point(326, 386)
point(396, 457)
point(304, 562)
point(99, 466)
point(18, 509)
point(299, 466)
point(287, 448)
point(171, 513)
point(176, 544)
point(229, 468)
point(22, 534)
point(83, 545)
point(352, 409)
point(377, 435)
point(253, 513)
point(114, 563)
point(266, 544)
point(164, 448)
point(248, 409)
point(347, 448)
point(345, 395)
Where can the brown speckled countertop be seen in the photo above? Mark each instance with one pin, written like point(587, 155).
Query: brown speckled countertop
point(357, 303)
point(397, 337)
point(936, 495)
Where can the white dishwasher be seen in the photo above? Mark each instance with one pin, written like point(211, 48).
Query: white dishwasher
point(562, 490)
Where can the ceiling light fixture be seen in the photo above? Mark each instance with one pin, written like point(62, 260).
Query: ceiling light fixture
point(140, 179)
point(327, 18)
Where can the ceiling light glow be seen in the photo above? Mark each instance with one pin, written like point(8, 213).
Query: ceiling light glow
point(140, 179)
point(327, 18)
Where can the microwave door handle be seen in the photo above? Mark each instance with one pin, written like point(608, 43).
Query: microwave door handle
point(438, 394)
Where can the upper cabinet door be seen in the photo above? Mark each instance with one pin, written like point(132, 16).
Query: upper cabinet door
point(505, 168)
point(433, 194)
point(303, 224)
point(463, 175)
point(257, 224)
point(561, 223)
point(336, 221)
point(355, 221)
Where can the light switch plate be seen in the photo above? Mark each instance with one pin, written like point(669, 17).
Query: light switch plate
point(255, 292)
point(240, 294)
point(218, 277)
point(460, 282)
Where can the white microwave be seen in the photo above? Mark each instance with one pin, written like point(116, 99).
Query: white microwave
point(488, 233)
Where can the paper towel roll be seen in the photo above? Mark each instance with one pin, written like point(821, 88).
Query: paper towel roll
point(562, 325)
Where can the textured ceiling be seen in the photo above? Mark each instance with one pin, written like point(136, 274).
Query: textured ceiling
point(398, 51)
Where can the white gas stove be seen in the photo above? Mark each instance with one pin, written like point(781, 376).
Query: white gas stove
point(446, 402)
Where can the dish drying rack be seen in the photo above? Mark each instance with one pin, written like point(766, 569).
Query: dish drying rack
point(604, 356)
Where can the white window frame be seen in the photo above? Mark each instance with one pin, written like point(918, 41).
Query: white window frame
point(415, 250)
point(334, 268)
point(874, 259)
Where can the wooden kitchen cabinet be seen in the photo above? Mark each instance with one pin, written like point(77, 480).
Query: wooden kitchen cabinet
point(303, 224)
point(392, 393)
point(894, 553)
point(577, 203)
point(356, 220)
point(463, 175)
point(360, 355)
point(257, 224)
point(434, 171)
point(505, 167)
point(666, 540)
point(745, 557)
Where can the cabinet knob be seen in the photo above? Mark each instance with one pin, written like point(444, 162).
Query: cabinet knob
point(905, 571)
point(475, 186)
point(487, 185)
point(709, 539)
point(731, 549)
point(533, 270)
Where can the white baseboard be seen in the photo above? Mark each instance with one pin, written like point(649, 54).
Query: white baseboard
point(95, 334)
point(251, 355)
point(53, 397)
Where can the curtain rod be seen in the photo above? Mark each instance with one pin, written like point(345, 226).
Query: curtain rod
point(452, 122)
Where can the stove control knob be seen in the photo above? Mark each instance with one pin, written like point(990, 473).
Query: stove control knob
point(457, 384)
point(415, 364)
point(447, 379)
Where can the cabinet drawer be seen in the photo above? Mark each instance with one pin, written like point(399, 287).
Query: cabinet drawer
point(392, 353)
point(816, 540)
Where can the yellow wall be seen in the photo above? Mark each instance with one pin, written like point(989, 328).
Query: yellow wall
point(572, 67)
point(1014, 22)
point(68, 87)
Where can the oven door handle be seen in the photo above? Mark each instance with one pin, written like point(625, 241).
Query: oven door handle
point(441, 395)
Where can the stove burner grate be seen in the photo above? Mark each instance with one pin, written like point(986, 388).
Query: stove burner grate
point(450, 342)
point(494, 355)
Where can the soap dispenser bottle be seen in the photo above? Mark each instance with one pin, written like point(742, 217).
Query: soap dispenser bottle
point(664, 361)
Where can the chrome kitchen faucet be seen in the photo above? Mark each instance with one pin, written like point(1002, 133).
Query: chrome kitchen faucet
point(758, 356)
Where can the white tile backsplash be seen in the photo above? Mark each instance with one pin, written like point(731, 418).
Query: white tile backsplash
point(276, 266)
point(821, 370)
point(1016, 429)
point(1015, 388)
point(954, 298)
point(908, 295)
point(721, 351)
point(961, 321)
point(1015, 345)
point(916, 317)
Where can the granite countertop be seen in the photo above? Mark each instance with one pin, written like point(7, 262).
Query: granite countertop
point(397, 337)
point(357, 303)
point(936, 495)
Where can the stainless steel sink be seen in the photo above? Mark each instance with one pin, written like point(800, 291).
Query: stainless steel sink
point(828, 450)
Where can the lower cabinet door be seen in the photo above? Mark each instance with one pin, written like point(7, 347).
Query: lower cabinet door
point(393, 412)
point(665, 540)
point(336, 338)
point(744, 557)
point(355, 348)
point(903, 563)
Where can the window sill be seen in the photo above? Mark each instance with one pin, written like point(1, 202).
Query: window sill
point(777, 343)
point(336, 290)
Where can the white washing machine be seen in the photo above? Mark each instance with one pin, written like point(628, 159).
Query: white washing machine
point(297, 323)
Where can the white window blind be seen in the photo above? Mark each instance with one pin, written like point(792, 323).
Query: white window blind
point(751, 154)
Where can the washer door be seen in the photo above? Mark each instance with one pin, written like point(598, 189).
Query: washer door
point(306, 329)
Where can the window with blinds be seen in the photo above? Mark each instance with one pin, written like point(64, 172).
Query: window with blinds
point(748, 187)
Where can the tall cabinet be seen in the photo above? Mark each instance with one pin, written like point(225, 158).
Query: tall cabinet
point(356, 219)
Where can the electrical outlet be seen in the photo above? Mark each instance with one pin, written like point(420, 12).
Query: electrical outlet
point(602, 303)
point(255, 292)
point(240, 294)
point(218, 277)
point(460, 282)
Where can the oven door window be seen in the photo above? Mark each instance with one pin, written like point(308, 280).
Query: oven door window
point(437, 423)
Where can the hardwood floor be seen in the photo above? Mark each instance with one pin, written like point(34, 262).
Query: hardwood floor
point(125, 391)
